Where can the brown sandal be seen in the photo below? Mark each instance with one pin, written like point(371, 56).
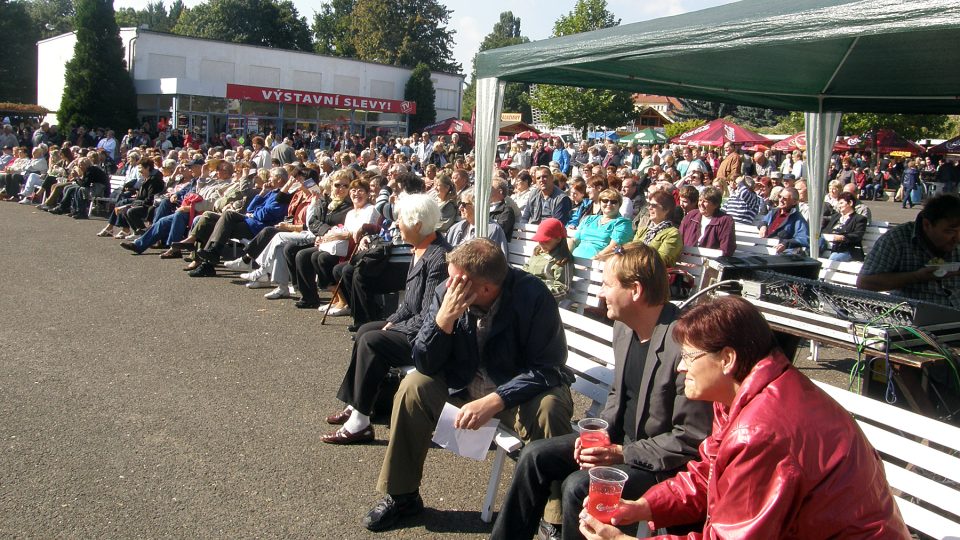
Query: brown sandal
point(171, 254)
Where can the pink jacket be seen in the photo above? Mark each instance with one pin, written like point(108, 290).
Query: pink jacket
point(784, 461)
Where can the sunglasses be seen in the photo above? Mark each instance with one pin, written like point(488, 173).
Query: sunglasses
point(462, 204)
point(344, 186)
point(654, 205)
point(609, 201)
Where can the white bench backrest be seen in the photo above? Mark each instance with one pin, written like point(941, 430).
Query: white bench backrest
point(590, 356)
point(920, 457)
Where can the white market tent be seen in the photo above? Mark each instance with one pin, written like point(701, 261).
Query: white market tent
point(822, 57)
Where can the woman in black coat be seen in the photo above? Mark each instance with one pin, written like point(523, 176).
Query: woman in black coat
point(844, 231)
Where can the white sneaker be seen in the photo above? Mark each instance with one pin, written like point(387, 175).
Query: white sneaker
point(237, 264)
point(338, 311)
point(254, 275)
point(260, 284)
point(324, 308)
point(278, 293)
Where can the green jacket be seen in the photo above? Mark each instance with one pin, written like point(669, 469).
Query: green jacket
point(555, 276)
point(667, 242)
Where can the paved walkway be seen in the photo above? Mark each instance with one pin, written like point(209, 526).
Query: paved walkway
point(139, 402)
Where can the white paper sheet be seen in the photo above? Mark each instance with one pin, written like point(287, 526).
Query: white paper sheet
point(465, 442)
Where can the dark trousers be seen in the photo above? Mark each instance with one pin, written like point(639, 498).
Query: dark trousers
point(259, 242)
point(14, 183)
point(359, 289)
point(313, 270)
point(551, 460)
point(135, 216)
point(375, 351)
point(231, 224)
point(47, 185)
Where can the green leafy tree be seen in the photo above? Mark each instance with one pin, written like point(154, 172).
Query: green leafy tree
point(683, 126)
point(404, 33)
point(270, 23)
point(581, 107)
point(18, 71)
point(420, 89)
point(505, 32)
point(51, 17)
point(155, 16)
point(332, 32)
point(98, 90)
point(911, 126)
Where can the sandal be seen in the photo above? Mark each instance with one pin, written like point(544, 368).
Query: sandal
point(171, 254)
point(105, 232)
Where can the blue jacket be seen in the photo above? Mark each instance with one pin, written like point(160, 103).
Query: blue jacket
point(266, 211)
point(525, 353)
point(793, 232)
point(562, 157)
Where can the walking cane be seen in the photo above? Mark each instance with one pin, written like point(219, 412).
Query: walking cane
point(336, 289)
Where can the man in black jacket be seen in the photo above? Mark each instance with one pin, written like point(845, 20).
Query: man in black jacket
point(494, 332)
point(654, 429)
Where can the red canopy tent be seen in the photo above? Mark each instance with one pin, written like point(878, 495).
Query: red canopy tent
point(947, 147)
point(889, 141)
point(717, 133)
point(529, 135)
point(449, 127)
point(791, 143)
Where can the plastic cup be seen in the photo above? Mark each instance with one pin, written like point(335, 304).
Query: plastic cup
point(606, 487)
point(593, 432)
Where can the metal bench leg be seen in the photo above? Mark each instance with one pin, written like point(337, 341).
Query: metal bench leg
point(486, 513)
point(815, 351)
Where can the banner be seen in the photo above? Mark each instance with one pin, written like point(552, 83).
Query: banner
point(318, 99)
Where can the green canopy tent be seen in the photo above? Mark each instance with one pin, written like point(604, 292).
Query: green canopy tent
point(818, 56)
point(647, 136)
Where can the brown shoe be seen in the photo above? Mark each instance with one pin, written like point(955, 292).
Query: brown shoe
point(342, 436)
point(339, 418)
point(171, 254)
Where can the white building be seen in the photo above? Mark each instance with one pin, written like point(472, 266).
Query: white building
point(213, 86)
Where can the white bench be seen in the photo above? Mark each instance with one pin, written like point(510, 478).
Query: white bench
point(108, 200)
point(920, 457)
point(590, 356)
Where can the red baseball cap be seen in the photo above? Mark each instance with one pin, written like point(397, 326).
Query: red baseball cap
point(549, 229)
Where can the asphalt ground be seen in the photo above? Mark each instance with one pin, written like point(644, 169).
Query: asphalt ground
point(137, 402)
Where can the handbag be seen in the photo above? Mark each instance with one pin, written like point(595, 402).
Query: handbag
point(378, 255)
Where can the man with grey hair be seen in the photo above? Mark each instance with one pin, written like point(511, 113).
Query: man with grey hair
point(786, 224)
point(283, 152)
point(495, 332)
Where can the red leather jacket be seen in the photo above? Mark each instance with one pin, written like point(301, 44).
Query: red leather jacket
point(784, 461)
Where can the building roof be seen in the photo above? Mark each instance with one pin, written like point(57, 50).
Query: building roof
point(651, 99)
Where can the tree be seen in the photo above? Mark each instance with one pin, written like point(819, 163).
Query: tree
point(18, 71)
point(749, 117)
point(404, 33)
point(98, 90)
point(331, 29)
point(155, 16)
point(270, 23)
point(420, 89)
point(52, 17)
point(505, 32)
point(581, 107)
point(910, 126)
point(679, 128)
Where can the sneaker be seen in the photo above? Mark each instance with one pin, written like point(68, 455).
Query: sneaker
point(324, 308)
point(253, 275)
point(338, 311)
point(389, 510)
point(278, 293)
point(237, 264)
point(204, 270)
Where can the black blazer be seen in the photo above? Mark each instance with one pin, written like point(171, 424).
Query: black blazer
point(670, 427)
point(852, 231)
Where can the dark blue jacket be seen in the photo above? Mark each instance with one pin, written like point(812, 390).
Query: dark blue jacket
point(793, 232)
point(525, 352)
point(266, 211)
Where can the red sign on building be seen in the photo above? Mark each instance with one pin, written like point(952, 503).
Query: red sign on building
point(318, 99)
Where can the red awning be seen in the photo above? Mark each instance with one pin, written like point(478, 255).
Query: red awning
point(717, 133)
point(449, 127)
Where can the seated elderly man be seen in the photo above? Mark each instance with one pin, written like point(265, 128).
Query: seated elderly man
point(786, 224)
point(494, 332)
point(654, 429)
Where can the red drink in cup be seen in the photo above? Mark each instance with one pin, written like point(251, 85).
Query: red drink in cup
point(593, 432)
point(606, 487)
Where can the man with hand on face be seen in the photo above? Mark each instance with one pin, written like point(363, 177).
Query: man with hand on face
point(654, 429)
point(495, 333)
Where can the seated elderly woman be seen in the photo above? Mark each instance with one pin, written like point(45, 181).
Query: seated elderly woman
point(464, 229)
point(599, 234)
point(660, 232)
point(708, 226)
point(843, 233)
point(783, 461)
point(151, 186)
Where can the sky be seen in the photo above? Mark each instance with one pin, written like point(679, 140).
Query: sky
point(474, 19)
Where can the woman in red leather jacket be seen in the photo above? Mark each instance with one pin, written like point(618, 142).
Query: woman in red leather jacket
point(783, 461)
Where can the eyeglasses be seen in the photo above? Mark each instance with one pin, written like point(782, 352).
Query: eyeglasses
point(609, 201)
point(341, 186)
point(690, 358)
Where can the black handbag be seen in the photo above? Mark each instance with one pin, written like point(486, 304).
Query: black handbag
point(380, 254)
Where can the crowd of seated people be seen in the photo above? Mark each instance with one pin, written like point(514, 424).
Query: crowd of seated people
point(321, 228)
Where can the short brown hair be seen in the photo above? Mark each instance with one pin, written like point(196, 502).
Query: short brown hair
point(640, 263)
point(732, 322)
point(664, 199)
point(480, 258)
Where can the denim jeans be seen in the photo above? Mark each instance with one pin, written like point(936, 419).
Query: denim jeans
point(172, 227)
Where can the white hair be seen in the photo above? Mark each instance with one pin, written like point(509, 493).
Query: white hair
point(419, 208)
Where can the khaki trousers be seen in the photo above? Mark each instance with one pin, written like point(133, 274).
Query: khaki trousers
point(417, 407)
